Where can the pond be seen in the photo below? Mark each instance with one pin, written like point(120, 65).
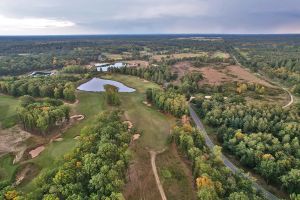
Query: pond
point(97, 85)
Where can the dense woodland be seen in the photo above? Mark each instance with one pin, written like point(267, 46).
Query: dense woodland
point(42, 115)
point(265, 138)
point(60, 87)
point(159, 75)
point(213, 180)
point(168, 101)
point(95, 169)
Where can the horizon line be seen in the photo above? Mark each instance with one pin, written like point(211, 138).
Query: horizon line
point(143, 34)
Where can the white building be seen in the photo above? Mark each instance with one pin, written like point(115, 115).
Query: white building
point(104, 66)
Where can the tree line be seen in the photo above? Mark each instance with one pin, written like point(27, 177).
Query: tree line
point(159, 74)
point(42, 115)
point(60, 87)
point(168, 101)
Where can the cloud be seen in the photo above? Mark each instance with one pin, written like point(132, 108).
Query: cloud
point(33, 23)
point(155, 16)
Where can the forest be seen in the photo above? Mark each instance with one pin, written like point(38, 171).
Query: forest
point(60, 87)
point(213, 180)
point(42, 115)
point(265, 138)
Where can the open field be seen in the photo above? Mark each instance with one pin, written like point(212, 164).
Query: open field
point(217, 76)
point(182, 68)
point(179, 56)
point(7, 169)
point(138, 63)
point(219, 54)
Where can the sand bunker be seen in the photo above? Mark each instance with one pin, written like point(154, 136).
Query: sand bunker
point(77, 117)
point(77, 137)
point(58, 139)
point(12, 140)
point(146, 103)
point(35, 152)
point(129, 124)
point(136, 137)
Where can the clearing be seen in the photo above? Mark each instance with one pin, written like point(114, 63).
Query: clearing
point(217, 76)
point(178, 56)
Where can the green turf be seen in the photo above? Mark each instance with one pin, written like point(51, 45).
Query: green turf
point(155, 125)
point(8, 106)
point(7, 169)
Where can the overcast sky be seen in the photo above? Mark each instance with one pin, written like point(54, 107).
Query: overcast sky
point(37, 17)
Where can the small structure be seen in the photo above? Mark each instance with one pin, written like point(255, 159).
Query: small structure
point(104, 66)
point(41, 73)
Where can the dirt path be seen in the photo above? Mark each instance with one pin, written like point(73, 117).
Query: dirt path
point(278, 85)
point(154, 169)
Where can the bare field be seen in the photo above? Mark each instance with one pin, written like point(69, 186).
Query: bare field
point(182, 68)
point(217, 76)
point(179, 56)
point(138, 63)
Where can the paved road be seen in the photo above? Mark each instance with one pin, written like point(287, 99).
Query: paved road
point(226, 161)
point(286, 90)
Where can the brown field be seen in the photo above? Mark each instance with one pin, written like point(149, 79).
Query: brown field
point(138, 63)
point(220, 55)
point(182, 68)
point(179, 56)
point(217, 76)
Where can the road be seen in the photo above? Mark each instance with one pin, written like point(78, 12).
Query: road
point(226, 161)
point(278, 85)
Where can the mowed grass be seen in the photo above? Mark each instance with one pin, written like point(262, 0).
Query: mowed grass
point(7, 169)
point(155, 125)
point(8, 114)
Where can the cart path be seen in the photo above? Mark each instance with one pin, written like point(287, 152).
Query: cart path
point(154, 169)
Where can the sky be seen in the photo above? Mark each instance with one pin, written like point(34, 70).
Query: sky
point(62, 17)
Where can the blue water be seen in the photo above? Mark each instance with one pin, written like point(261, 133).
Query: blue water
point(97, 85)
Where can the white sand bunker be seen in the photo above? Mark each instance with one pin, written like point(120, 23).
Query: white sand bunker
point(58, 139)
point(35, 152)
point(77, 137)
point(147, 104)
point(129, 124)
point(136, 137)
point(77, 117)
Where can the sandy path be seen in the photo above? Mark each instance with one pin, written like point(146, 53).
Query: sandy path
point(289, 93)
point(154, 169)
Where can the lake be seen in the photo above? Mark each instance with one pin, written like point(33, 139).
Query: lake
point(97, 85)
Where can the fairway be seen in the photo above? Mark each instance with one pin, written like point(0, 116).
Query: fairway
point(154, 125)
point(8, 106)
